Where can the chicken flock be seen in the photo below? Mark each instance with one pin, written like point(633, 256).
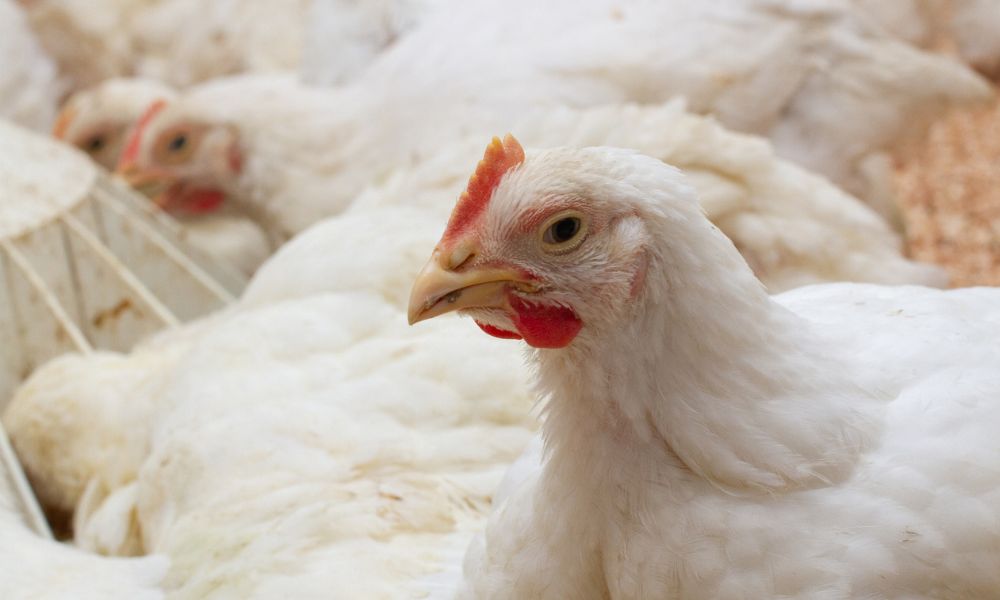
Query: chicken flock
point(705, 366)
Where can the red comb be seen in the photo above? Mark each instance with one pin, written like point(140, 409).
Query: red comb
point(135, 140)
point(66, 116)
point(500, 157)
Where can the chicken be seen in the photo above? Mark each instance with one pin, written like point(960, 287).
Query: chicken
point(184, 42)
point(975, 26)
point(29, 88)
point(972, 26)
point(703, 439)
point(180, 42)
point(34, 568)
point(100, 120)
point(90, 483)
point(343, 37)
point(301, 444)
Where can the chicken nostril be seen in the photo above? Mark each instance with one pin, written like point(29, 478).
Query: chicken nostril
point(460, 256)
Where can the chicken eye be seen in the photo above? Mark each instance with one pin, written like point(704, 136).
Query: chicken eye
point(563, 233)
point(176, 146)
point(94, 144)
point(177, 143)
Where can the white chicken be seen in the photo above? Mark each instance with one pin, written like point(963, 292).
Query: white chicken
point(343, 37)
point(183, 42)
point(29, 88)
point(303, 444)
point(973, 26)
point(33, 568)
point(101, 119)
point(180, 42)
point(705, 440)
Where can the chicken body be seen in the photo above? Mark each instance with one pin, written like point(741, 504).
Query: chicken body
point(29, 87)
point(810, 88)
point(33, 568)
point(184, 42)
point(705, 440)
point(180, 42)
point(974, 25)
point(971, 26)
point(304, 443)
point(343, 37)
point(913, 515)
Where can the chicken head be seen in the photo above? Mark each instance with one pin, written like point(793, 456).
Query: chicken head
point(542, 249)
point(191, 163)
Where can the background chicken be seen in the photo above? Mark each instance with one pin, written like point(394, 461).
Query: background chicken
point(183, 42)
point(100, 120)
point(39, 569)
point(369, 474)
point(827, 457)
point(179, 42)
point(968, 26)
point(29, 86)
point(343, 37)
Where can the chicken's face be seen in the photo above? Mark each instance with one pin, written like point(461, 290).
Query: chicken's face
point(544, 250)
point(99, 120)
point(191, 162)
point(102, 137)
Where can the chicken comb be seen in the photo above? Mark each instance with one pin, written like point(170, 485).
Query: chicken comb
point(500, 158)
point(131, 152)
point(66, 116)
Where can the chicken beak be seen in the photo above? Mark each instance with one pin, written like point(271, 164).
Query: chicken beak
point(439, 289)
point(149, 182)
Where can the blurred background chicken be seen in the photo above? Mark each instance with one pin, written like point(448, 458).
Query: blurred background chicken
point(967, 26)
point(179, 42)
point(183, 42)
point(35, 568)
point(29, 84)
point(101, 120)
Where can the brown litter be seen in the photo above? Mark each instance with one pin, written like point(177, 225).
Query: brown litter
point(949, 192)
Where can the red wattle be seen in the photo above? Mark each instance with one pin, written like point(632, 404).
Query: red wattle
point(203, 201)
point(497, 332)
point(180, 199)
point(544, 326)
